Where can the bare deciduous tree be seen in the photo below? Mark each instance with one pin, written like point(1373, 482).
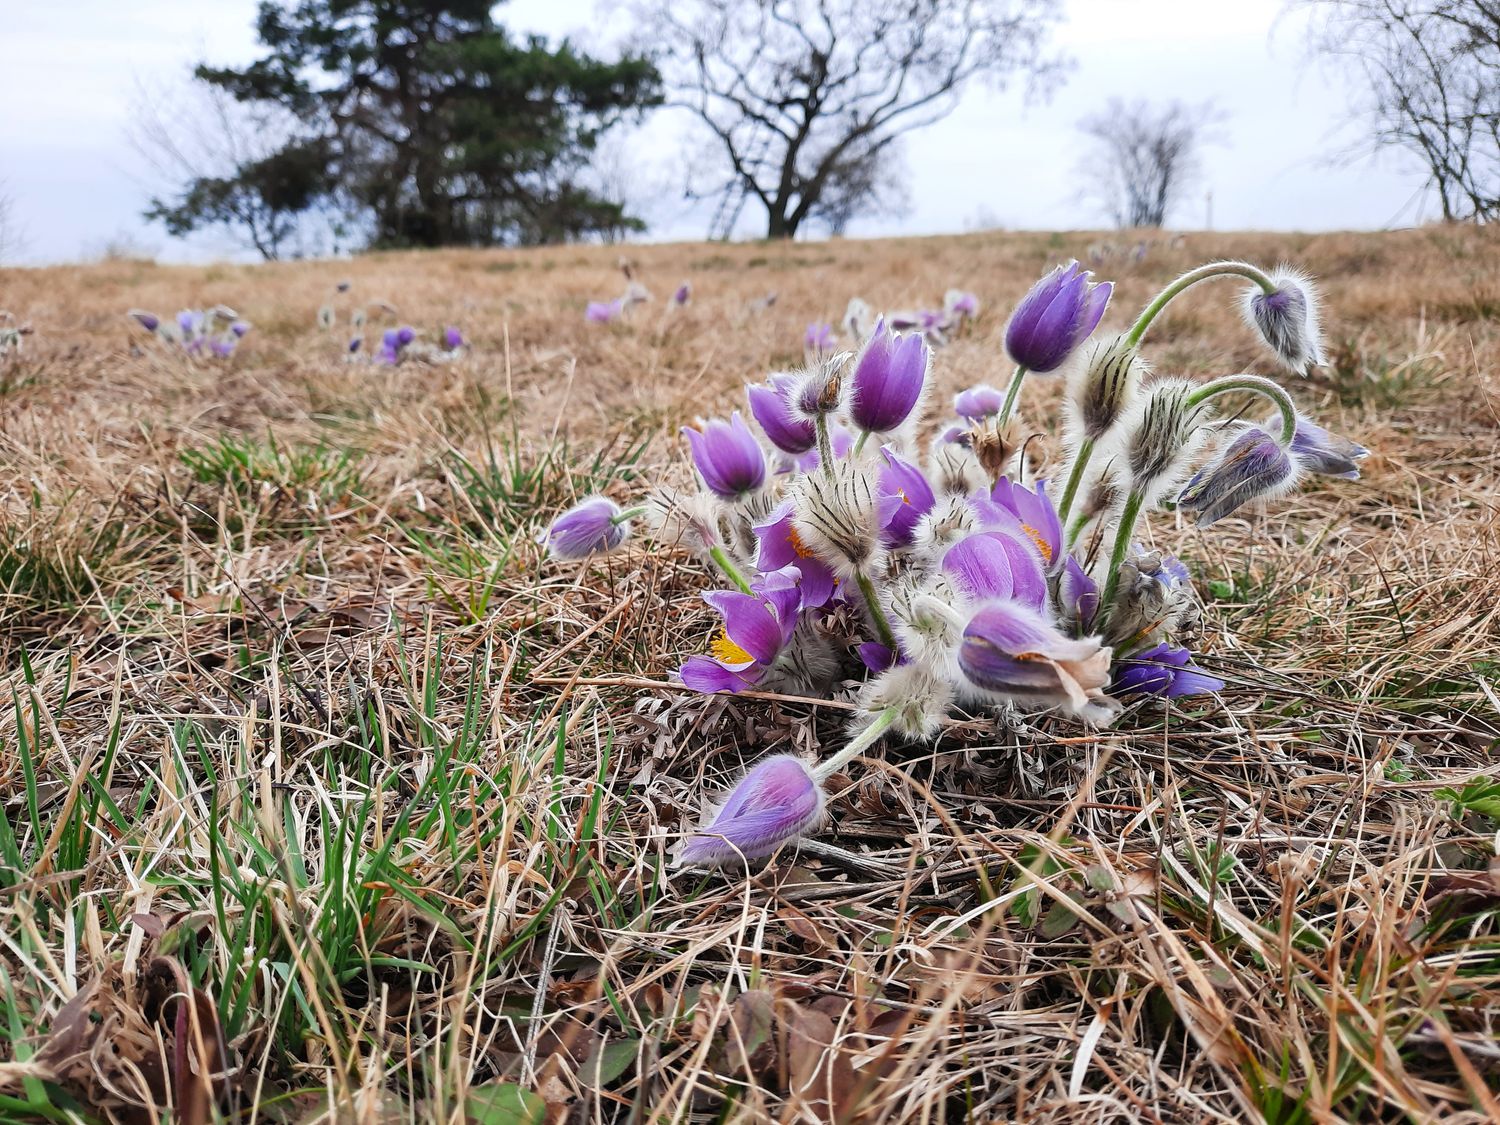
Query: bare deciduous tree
point(802, 97)
point(1146, 156)
point(1432, 68)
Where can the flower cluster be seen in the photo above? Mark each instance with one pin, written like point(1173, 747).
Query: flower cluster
point(200, 333)
point(934, 325)
point(957, 578)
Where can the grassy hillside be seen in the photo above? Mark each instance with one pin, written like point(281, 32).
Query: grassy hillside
point(298, 719)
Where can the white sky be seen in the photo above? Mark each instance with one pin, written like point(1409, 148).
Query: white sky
point(70, 71)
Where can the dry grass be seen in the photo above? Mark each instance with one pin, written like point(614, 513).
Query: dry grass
point(298, 723)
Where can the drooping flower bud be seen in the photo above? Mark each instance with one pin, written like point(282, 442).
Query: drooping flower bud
point(888, 380)
point(1287, 319)
point(1252, 466)
point(1318, 451)
point(729, 459)
point(586, 528)
point(149, 321)
point(1059, 313)
point(776, 801)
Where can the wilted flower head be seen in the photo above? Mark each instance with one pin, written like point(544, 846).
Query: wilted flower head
point(1318, 451)
point(771, 407)
point(978, 402)
point(729, 459)
point(888, 380)
point(1013, 652)
point(1104, 387)
point(1061, 311)
point(1253, 465)
point(1164, 670)
point(777, 801)
point(587, 527)
point(1287, 319)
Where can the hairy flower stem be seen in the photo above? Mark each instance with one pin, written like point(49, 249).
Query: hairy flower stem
point(1128, 515)
point(825, 446)
point(727, 566)
point(877, 615)
point(627, 514)
point(1254, 384)
point(1075, 478)
point(857, 746)
point(1012, 393)
point(1192, 277)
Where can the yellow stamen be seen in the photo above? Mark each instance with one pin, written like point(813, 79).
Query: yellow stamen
point(726, 650)
point(797, 545)
point(1041, 544)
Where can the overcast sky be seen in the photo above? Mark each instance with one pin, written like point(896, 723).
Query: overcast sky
point(72, 70)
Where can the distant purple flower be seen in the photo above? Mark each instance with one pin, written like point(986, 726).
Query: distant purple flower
point(1164, 670)
point(149, 321)
point(888, 380)
point(992, 564)
point(239, 328)
point(1318, 451)
point(961, 304)
point(683, 295)
point(223, 349)
point(757, 627)
point(405, 335)
point(587, 527)
point(978, 402)
point(1061, 311)
point(780, 547)
point(819, 337)
point(355, 343)
point(774, 803)
point(905, 497)
point(728, 457)
point(771, 408)
point(453, 339)
point(190, 321)
point(602, 312)
point(1254, 465)
point(956, 435)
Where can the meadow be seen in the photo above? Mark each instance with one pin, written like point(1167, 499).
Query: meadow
point(328, 797)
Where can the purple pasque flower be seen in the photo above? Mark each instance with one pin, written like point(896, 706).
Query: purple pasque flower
point(1012, 651)
point(239, 328)
point(1036, 515)
point(602, 312)
point(147, 320)
point(590, 526)
point(1164, 670)
point(888, 380)
point(729, 459)
point(453, 339)
point(1319, 451)
point(978, 403)
point(405, 335)
point(776, 801)
point(1061, 311)
point(190, 321)
point(876, 657)
point(683, 295)
point(956, 435)
point(992, 564)
point(222, 348)
point(818, 337)
point(1253, 465)
point(960, 304)
point(355, 343)
point(770, 406)
point(905, 497)
point(757, 627)
point(779, 547)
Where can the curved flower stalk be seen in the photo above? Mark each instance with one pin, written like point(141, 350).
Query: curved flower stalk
point(913, 586)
